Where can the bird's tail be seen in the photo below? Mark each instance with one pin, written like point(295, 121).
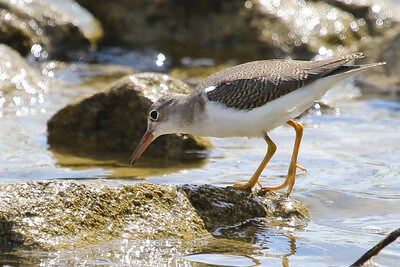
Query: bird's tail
point(354, 69)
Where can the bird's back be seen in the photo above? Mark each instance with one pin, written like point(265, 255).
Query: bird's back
point(256, 83)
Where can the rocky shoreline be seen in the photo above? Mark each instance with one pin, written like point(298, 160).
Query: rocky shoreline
point(51, 215)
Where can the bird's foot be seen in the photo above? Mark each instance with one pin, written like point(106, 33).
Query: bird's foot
point(244, 186)
point(273, 188)
point(301, 168)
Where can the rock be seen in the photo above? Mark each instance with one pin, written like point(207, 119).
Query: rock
point(11, 32)
point(116, 119)
point(262, 28)
point(82, 18)
point(204, 22)
point(379, 15)
point(40, 28)
point(306, 27)
point(20, 84)
point(220, 207)
point(278, 205)
point(53, 215)
point(383, 80)
point(57, 215)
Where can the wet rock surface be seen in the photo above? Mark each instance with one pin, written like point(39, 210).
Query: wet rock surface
point(304, 27)
point(160, 18)
point(20, 83)
point(40, 28)
point(17, 73)
point(54, 215)
point(379, 15)
point(117, 118)
point(279, 205)
point(220, 207)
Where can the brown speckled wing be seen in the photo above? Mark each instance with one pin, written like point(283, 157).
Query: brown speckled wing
point(254, 84)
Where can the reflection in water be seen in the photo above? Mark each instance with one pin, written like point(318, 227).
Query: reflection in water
point(116, 163)
point(271, 238)
point(151, 253)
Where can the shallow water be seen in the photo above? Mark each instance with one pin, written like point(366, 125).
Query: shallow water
point(351, 186)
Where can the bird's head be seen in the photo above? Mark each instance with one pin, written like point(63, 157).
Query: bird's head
point(165, 116)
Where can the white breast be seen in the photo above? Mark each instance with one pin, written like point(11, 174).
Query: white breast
point(220, 121)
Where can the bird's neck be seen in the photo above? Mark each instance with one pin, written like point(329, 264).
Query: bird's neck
point(188, 109)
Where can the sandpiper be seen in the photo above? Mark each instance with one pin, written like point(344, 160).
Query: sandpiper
point(250, 100)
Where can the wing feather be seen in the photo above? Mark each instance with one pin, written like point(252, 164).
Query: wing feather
point(253, 84)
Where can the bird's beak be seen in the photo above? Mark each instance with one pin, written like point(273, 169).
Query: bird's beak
point(147, 138)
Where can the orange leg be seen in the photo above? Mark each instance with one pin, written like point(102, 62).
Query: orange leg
point(254, 179)
point(291, 176)
point(301, 168)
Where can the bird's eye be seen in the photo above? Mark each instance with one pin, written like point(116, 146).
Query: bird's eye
point(154, 114)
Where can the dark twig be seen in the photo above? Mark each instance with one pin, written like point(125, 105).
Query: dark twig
point(377, 248)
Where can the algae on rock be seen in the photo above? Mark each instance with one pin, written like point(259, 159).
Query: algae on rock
point(60, 215)
point(53, 215)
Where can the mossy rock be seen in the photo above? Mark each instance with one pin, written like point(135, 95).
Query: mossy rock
point(59, 215)
point(52, 215)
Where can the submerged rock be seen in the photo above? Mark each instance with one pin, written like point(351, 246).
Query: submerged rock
point(116, 119)
point(20, 84)
point(40, 28)
point(55, 215)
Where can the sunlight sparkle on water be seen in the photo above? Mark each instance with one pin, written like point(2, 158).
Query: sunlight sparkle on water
point(160, 59)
